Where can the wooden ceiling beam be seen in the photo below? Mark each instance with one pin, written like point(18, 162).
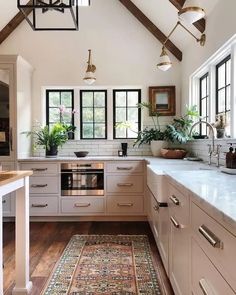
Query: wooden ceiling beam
point(152, 28)
point(200, 25)
point(14, 23)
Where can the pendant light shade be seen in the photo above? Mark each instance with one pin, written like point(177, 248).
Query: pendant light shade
point(164, 62)
point(191, 12)
point(90, 72)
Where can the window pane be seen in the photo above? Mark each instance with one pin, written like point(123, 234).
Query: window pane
point(66, 99)
point(120, 99)
point(54, 99)
point(203, 108)
point(121, 133)
point(99, 99)
point(132, 98)
point(87, 130)
point(54, 115)
point(228, 98)
point(228, 72)
point(227, 129)
point(67, 116)
point(133, 114)
point(221, 76)
point(221, 101)
point(203, 88)
point(133, 133)
point(87, 115)
point(99, 115)
point(87, 99)
point(99, 130)
point(121, 115)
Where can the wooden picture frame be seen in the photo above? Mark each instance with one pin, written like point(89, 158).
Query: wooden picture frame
point(162, 100)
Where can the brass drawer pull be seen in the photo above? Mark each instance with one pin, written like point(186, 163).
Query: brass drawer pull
point(124, 168)
point(81, 205)
point(174, 199)
point(38, 185)
point(125, 204)
point(39, 205)
point(39, 169)
point(125, 184)
point(4, 201)
point(175, 223)
point(205, 288)
point(210, 236)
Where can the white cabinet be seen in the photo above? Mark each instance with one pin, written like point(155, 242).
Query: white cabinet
point(125, 188)
point(179, 260)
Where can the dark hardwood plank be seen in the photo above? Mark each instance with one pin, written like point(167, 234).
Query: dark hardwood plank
point(49, 239)
point(152, 28)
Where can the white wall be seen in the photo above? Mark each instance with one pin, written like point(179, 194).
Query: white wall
point(220, 26)
point(124, 52)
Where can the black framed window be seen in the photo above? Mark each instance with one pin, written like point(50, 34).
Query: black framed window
point(223, 89)
point(204, 102)
point(93, 114)
point(125, 110)
point(55, 98)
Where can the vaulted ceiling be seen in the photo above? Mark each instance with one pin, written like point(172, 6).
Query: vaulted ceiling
point(158, 16)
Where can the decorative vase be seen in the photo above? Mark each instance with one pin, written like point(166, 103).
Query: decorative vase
point(52, 151)
point(173, 153)
point(220, 133)
point(156, 146)
point(70, 135)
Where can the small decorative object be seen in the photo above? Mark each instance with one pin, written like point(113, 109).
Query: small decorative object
point(50, 139)
point(120, 153)
point(162, 100)
point(124, 146)
point(220, 125)
point(81, 154)
point(173, 153)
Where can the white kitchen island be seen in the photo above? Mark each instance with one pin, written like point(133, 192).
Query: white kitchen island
point(17, 181)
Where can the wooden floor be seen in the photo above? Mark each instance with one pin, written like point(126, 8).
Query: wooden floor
point(48, 240)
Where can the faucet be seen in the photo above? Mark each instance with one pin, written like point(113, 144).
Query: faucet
point(211, 149)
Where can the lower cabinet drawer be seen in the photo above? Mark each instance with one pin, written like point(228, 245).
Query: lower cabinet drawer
point(125, 204)
point(82, 205)
point(43, 206)
point(44, 185)
point(205, 277)
point(124, 183)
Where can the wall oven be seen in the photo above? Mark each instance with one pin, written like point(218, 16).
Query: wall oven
point(82, 179)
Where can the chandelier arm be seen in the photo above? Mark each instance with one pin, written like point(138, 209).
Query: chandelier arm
point(198, 40)
point(172, 31)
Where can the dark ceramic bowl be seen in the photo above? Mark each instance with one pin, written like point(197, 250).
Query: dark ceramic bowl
point(81, 154)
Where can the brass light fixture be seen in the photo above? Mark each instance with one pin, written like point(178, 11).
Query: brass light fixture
point(165, 62)
point(191, 12)
point(90, 72)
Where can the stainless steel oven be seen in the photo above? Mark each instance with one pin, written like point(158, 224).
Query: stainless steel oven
point(82, 179)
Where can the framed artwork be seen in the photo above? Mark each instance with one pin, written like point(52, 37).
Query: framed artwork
point(162, 100)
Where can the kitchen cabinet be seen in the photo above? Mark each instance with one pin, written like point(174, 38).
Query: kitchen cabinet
point(15, 110)
point(179, 250)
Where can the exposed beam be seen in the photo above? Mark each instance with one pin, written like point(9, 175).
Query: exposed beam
point(151, 27)
point(14, 23)
point(200, 25)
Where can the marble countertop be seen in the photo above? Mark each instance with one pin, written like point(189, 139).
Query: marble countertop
point(7, 177)
point(89, 158)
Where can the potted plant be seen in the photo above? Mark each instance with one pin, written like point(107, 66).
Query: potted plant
point(65, 113)
point(220, 125)
point(50, 138)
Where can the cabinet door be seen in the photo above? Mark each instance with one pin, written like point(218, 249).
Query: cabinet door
point(6, 112)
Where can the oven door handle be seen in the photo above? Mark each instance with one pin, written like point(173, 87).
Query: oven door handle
point(82, 172)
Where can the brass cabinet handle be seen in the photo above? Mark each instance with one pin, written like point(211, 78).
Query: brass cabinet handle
point(39, 205)
point(125, 204)
point(124, 168)
point(79, 205)
point(175, 200)
point(210, 236)
point(38, 185)
point(175, 222)
point(39, 169)
point(205, 288)
point(125, 184)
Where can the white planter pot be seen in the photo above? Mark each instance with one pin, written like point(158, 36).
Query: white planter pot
point(156, 146)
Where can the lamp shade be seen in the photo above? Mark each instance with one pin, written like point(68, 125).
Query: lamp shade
point(164, 62)
point(89, 78)
point(191, 12)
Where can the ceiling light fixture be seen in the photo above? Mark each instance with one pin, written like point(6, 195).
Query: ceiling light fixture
point(191, 12)
point(165, 62)
point(90, 72)
point(40, 19)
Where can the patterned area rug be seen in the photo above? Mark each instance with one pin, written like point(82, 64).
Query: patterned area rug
point(104, 264)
